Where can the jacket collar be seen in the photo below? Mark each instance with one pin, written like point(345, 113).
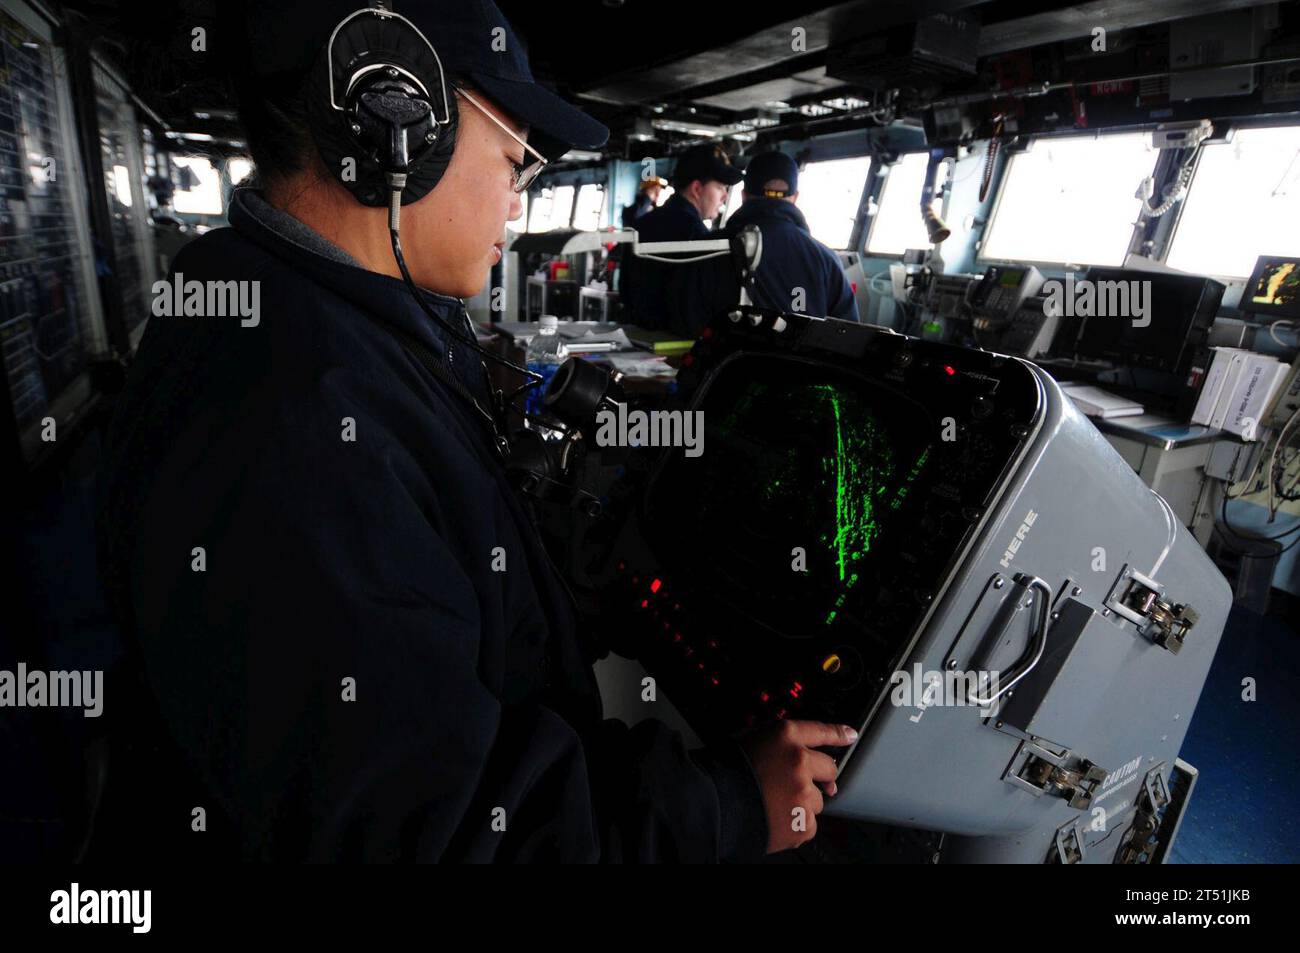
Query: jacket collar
point(680, 206)
point(758, 210)
point(381, 296)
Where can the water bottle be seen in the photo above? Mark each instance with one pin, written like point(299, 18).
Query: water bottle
point(546, 352)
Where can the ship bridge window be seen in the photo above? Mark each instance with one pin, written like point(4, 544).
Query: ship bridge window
point(733, 201)
point(1243, 202)
point(591, 202)
point(238, 168)
point(830, 193)
point(1070, 200)
point(551, 208)
point(897, 224)
point(205, 197)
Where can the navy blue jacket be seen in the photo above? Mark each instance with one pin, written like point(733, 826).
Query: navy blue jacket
point(644, 283)
point(641, 207)
point(792, 259)
point(370, 560)
point(694, 295)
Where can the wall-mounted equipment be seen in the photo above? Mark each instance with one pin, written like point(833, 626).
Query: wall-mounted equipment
point(51, 324)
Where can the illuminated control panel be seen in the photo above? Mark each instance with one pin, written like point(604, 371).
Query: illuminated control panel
point(785, 571)
point(1002, 291)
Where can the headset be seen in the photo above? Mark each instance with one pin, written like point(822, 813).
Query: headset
point(384, 120)
point(378, 96)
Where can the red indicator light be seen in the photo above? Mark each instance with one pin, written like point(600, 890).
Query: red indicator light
point(677, 636)
point(656, 585)
point(714, 680)
point(764, 697)
point(644, 603)
point(949, 370)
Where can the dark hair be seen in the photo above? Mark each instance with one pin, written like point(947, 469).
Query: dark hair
point(272, 109)
point(273, 113)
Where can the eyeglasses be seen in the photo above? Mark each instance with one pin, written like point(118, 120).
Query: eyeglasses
point(524, 174)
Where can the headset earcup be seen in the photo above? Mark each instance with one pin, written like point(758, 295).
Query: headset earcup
point(365, 41)
point(432, 165)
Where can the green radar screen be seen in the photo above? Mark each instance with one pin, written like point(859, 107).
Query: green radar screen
point(796, 458)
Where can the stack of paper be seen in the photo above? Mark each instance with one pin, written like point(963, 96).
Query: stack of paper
point(1096, 402)
point(589, 336)
point(638, 365)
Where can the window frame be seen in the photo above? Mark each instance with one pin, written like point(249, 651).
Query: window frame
point(854, 228)
point(873, 171)
point(568, 218)
point(999, 187)
point(1171, 234)
point(600, 212)
point(183, 159)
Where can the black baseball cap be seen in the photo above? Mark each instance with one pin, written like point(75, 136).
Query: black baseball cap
point(768, 166)
point(473, 40)
point(708, 163)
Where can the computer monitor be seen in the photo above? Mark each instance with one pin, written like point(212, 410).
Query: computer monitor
point(1274, 287)
point(1146, 319)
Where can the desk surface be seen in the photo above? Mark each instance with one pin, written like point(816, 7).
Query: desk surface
point(1163, 432)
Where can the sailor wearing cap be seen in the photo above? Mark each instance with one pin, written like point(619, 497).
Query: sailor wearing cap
point(701, 180)
point(647, 198)
point(797, 272)
point(348, 641)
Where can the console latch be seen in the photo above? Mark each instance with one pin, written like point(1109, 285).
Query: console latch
point(1141, 600)
point(1039, 771)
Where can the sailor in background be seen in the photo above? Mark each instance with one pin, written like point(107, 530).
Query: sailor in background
point(797, 272)
point(701, 180)
point(647, 199)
